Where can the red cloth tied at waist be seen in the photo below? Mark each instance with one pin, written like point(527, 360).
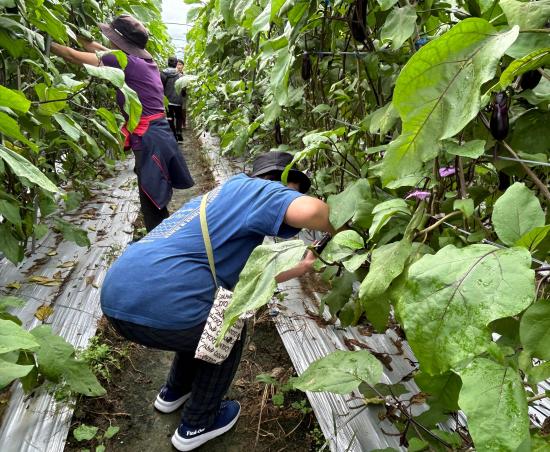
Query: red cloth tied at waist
point(140, 129)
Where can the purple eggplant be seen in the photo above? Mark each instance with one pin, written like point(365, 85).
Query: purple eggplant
point(306, 66)
point(359, 20)
point(530, 79)
point(499, 117)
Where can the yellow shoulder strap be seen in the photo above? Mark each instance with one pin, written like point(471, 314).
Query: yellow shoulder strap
point(206, 238)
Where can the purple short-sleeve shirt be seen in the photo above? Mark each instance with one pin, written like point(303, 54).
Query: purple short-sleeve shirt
point(144, 78)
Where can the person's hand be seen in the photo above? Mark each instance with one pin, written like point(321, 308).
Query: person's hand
point(308, 261)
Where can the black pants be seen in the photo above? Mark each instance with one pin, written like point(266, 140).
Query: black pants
point(175, 119)
point(207, 382)
point(152, 215)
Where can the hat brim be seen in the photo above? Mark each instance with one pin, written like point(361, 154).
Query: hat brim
point(304, 181)
point(124, 45)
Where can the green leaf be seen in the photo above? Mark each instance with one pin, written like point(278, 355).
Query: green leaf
point(261, 23)
point(340, 372)
point(539, 373)
point(387, 263)
point(349, 239)
point(56, 359)
point(527, 43)
point(15, 100)
point(442, 390)
point(9, 245)
point(72, 233)
point(534, 330)
point(526, 14)
point(386, 4)
point(69, 126)
point(132, 107)
point(109, 119)
point(384, 212)
point(111, 74)
point(10, 212)
point(280, 74)
point(85, 432)
point(53, 99)
point(256, 283)
point(9, 301)
point(515, 213)
point(438, 92)
point(529, 62)
point(110, 432)
point(493, 399)
point(340, 293)
point(10, 127)
point(466, 206)
point(471, 149)
point(399, 26)
point(11, 371)
point(532, 239)
point(450, 298)
point(14, 337)
point(344, 205)
point(383, 119)
point(23, 168)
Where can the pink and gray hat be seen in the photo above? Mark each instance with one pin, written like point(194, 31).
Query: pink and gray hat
point(128, 34)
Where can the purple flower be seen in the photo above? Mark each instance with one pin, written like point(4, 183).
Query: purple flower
point(418, 194)
point(446, 171)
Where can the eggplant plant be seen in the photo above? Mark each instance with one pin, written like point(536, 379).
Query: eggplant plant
point(396, 124)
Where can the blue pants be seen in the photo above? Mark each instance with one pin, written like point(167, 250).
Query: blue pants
point(207, 382)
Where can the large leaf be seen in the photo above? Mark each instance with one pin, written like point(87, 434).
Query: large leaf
point(56, 359)
point(23, 168)
point(516, 212)
point(399, 26)
point(14, 100)
point(339, 294)
point(343, 206)
point(279, 75)
point(9, 244)
point(10, 128)
point(534, 330)
point(438, 91)
point(493, 399)
point(11, 371)
point(532, 239)
point(529, 62)
point(383, 212)
point(387, 263)
point(14, 337)
point(472, 149)
point(256, 283)
point(340, 372)
point(451, 297)
point(442, 395)
point(526, 14)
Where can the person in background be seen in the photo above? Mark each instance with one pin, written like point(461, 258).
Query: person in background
point(179, 68)
point(159, 164)
point(167, 301)
point(175, 99)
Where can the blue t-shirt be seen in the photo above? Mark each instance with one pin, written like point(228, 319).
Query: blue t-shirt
point(164, 280)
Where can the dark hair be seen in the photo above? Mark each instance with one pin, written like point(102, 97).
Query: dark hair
point(172, 61)
point(276, 176)
point(180, 61)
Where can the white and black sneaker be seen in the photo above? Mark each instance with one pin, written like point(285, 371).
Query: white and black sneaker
point(189, 438)
point(168, 401)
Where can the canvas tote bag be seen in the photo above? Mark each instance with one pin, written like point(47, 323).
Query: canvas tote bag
point(207, 349)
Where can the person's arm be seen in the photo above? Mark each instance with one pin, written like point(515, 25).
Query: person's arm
point(91, 46)
point(74, 56)
point(310, 213)
point(303, 267)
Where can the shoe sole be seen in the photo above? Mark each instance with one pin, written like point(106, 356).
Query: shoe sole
point(169, 407)
point(183, 445)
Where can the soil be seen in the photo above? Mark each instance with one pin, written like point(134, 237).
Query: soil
point(137, 373)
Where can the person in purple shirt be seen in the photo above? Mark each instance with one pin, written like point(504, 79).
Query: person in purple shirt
point(159, 164)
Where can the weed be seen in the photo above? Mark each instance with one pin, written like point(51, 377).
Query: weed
point(101, 357)
point(112, 253)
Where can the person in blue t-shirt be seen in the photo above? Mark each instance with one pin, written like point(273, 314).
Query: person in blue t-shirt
point(160, 290)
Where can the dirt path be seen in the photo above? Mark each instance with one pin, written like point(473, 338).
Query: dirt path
point(132, 388)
